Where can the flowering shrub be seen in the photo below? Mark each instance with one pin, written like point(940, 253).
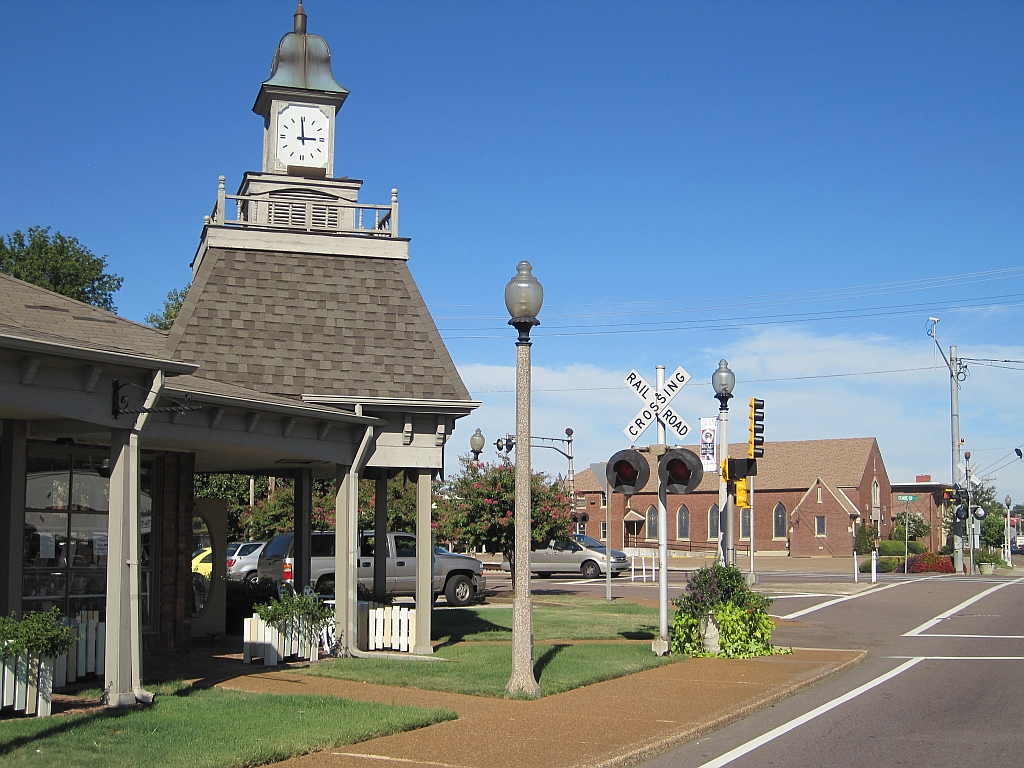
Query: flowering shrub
point(721, 594)
point(930, 562)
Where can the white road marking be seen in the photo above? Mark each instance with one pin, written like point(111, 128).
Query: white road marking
point(975, 637)
point(760, 741)
point(960, 658)
point(385, 758)
point(957, 608)
point(874, 591)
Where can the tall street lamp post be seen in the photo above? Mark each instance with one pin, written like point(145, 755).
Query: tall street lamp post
point(523, 298)
point(476, 444)
point(724, 381)
point(1006, 533)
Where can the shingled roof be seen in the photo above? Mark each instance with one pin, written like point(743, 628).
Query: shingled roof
point(793, 464)
point(30, 312)
point(297, 323)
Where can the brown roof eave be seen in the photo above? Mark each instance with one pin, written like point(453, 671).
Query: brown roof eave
point(53, 349)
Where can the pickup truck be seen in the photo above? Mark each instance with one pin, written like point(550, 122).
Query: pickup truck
point(459, 577)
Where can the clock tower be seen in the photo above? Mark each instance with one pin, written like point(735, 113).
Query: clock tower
point(298, 105)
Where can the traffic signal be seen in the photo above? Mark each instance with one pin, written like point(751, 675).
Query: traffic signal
point(756, 428)
point(679, 471)
point(742, 493)
point(627, 472)
point(735, 469)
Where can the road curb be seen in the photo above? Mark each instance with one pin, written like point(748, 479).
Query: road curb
point(638, 754)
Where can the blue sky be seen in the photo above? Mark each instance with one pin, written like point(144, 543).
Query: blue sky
point(691, 181)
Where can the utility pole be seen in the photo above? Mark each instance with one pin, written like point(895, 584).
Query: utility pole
point(954, 365)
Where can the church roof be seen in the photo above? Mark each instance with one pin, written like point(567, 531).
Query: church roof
point(792, 464)
point(295, 324)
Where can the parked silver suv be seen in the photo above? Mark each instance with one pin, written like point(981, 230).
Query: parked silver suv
point(578, 554)
point(243, 560)
point(459, 577)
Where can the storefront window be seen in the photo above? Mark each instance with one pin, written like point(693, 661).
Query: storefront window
point(66, 518)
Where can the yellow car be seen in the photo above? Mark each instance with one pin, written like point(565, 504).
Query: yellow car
point(202, 562)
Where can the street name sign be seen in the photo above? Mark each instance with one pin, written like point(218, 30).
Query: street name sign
point(906, 497)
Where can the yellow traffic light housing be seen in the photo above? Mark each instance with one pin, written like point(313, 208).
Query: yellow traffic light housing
point(742, 493)
point(756, 428)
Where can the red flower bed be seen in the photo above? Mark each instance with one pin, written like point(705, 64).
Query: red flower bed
point(930, 562)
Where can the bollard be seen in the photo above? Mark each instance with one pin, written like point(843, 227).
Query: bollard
point(874, 566)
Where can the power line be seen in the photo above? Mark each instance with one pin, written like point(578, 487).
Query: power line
point(745, 381)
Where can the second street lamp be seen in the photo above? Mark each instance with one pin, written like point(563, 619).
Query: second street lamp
point(724, 381)
point(523, 299)
point(476, 444)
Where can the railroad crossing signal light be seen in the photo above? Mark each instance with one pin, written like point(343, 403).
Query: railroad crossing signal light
point(742, 493)
point(756, 428)
point(627, 472)
point(680, 471)
point(961, 513)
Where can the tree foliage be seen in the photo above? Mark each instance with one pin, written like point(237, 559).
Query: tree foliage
point(477, 508)
point(60, 264)
point(918, 527)
point(172, 306)
point(864, 540)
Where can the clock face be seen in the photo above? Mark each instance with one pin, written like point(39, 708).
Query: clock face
point(303, 135)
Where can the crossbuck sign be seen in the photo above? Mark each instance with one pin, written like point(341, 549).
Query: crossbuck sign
point(656, 404)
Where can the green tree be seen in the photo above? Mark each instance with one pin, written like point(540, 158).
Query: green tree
point(918, 526)
point(477, 507)
point(235, 489)
point(864, 540)
point(60, 264)
point(172, 306)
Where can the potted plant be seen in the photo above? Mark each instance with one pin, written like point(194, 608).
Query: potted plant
point(987, 561)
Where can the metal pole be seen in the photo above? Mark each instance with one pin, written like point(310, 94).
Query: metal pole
point(522, 679)
point(662, 647)
point(906, 536)
point(954, 423)
point(572, 477)
point(750, 498)
point(723, 491)
point(970, 516)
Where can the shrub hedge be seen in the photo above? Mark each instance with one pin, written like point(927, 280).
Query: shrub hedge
point(887, 548)
point(885, 564)
point(929, 562)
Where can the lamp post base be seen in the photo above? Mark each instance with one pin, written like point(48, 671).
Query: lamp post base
point(660, 647)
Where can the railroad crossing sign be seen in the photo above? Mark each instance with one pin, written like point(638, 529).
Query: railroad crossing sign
point(656, 404)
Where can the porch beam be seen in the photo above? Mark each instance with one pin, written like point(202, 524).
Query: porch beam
point(303, 527)
point(424, 564)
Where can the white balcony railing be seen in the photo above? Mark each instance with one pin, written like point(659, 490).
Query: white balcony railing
point(305, 214)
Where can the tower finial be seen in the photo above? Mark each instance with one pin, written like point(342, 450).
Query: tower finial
point(300, 20)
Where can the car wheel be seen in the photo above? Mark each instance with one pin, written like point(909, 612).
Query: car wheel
point(591, 570)
point(252, 578)
point(325, 586)
point(459, 591)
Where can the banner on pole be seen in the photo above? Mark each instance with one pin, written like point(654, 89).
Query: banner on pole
point(709, 444)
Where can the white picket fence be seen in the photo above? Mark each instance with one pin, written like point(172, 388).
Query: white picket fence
point(27, 682)
point(378, 628)
point(272, 644)
point(387, 628)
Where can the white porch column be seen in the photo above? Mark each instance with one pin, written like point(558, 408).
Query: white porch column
point(118, 666)
point(424, 564)
point(343, 552)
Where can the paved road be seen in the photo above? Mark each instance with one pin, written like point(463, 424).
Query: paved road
point(941, 686)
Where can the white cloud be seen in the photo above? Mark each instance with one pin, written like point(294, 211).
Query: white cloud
point(908, 411)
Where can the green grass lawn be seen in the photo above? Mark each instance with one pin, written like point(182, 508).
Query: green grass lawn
point(554, 618)
point(483, 669)
point(200, 728)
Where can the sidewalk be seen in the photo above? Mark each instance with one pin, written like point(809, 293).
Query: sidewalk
point(614, 723)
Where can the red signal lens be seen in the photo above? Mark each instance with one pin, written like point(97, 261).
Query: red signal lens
point(625, 471)
point(678, 471)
